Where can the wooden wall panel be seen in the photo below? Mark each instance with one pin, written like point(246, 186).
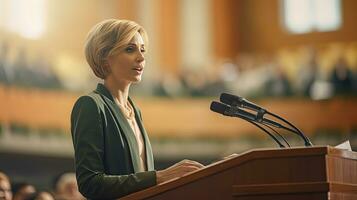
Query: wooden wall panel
point(184, 118)
point(260, 28)
point(168, 34)
point(225, 24)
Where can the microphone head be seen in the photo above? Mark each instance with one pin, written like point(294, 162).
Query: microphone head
point(230, 99)
point(219, 107)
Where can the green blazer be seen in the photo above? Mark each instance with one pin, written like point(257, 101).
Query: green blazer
point(106, 150)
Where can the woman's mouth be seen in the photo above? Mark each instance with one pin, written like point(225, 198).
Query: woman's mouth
point(138, 69)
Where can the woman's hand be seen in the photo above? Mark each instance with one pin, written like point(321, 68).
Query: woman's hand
point(177, 170)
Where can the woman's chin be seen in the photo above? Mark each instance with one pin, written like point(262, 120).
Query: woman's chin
point(136, 79)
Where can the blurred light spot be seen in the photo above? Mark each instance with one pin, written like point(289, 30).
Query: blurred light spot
point(321, 90)
point(26, 17)
point(303, 16)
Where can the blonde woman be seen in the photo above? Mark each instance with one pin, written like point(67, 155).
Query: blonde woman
point(113, 155)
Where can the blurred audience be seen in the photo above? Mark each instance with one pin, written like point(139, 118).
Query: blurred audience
point(65, 188)
point(42, 195)
point(264, 76)
point(22, 191)
point(23, 72)
point(250, 75)
point(5, 73)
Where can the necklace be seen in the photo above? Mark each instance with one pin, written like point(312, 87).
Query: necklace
point(127, 110)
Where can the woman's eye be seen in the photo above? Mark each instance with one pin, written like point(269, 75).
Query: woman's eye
point(130, 49)
point(143, 50)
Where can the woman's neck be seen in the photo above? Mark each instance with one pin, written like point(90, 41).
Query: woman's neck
point(119, 91)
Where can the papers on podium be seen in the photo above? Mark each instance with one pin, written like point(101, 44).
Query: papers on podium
point(345, 145)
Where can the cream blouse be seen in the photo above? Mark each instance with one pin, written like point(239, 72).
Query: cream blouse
point(129, 114)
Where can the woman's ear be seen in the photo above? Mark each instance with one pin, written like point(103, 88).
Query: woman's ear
point(106, 67)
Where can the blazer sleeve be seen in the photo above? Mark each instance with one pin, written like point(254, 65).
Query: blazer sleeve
point(88, 142)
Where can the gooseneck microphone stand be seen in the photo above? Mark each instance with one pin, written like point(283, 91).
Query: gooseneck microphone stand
point(241, 104)
point(236, 112)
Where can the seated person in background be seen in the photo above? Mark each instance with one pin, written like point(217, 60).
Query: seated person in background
point(342, 77)
point(66, 187)
point(42, 195)
point(22, 190)
point(5, 187)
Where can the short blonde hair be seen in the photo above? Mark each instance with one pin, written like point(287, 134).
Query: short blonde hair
point(106, 38)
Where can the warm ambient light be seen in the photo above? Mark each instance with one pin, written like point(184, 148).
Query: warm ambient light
point(303, 16)
point(26, 17)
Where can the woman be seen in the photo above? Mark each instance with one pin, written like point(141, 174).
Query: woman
point(113, 155)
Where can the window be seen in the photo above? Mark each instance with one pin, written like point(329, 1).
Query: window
point(24, 17)
point(304, 16)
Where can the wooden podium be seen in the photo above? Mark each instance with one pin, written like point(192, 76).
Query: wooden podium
point(262, 174)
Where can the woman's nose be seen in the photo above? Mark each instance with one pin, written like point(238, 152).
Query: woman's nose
point(140, 57)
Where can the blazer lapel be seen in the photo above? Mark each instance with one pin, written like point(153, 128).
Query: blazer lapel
point(148, 149)
point(123, 123)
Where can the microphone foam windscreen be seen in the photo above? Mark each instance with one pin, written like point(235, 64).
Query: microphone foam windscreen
point(218, 107)
point(229, 99)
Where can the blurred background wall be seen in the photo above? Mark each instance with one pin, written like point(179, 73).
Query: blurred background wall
point(297, 58)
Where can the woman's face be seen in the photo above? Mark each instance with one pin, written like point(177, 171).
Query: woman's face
point(5, 190)
point(127, 65)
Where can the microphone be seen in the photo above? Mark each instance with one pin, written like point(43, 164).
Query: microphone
point(237, 101)
point(229, 111)
point(233, 100)
point(236, 112)
point(241, 102)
